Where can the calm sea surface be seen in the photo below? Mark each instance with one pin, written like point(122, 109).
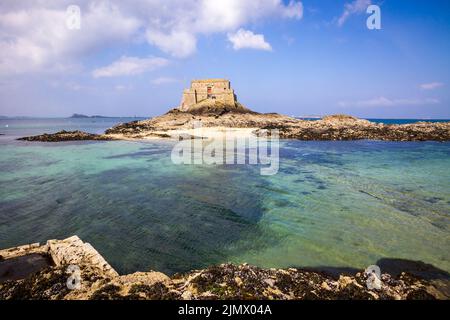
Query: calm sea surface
point(332, 204)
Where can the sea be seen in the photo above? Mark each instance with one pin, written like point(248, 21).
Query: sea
point(333, 205)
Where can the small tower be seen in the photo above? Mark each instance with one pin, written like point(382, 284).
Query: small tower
point(207, 89)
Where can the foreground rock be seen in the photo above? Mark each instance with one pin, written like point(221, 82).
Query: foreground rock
point(226, 281)
point(66, 136)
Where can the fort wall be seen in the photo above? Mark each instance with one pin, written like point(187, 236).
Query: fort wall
point(214, 89)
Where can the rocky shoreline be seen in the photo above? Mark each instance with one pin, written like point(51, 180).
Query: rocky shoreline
point(343, 127)
point(334, 127)
point(98, 280)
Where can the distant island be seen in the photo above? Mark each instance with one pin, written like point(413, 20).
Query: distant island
point(82, 116)
point(15, 118)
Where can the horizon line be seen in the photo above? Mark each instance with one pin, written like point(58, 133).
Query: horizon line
point(5, 117)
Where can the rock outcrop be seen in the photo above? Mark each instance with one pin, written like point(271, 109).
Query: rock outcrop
point(336, 127)
point(343, 127)
point(213, 107)
point(66, 136)
point(98, 280)
point(178, 120)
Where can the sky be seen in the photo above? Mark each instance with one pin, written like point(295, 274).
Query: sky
point(301, 58)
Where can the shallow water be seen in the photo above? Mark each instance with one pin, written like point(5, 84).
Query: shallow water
point(335, 204)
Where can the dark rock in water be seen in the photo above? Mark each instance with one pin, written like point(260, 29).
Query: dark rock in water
point(21, 267)
point(132, 127)
point(66, 136)
point(417, 268)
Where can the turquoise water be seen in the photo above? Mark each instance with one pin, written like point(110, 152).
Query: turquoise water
point(334, 204)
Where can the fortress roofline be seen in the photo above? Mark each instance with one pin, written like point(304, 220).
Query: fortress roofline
point(210, 80)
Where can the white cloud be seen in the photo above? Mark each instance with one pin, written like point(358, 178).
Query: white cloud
point(355, 7)
point(386, 102)
point(34, 36)
point(163, 80)
point(74, 86)
point(431, 85)
point(245, 39)
point(178, 43)
point(176, 33)
point(226, 15)
point(121, 87)
point(70, 85)
point(126, 66)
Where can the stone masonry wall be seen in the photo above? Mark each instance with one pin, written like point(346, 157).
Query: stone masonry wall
point(219, 89)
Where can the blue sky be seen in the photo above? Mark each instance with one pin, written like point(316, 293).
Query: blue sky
point(292, 57)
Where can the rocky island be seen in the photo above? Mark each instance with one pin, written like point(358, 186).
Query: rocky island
point(213, 103)
point(50, 279)
point(83, 116)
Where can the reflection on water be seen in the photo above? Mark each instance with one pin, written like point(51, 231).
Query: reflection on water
point(336, 204)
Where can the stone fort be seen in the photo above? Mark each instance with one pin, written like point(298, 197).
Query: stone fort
point(207, 89)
